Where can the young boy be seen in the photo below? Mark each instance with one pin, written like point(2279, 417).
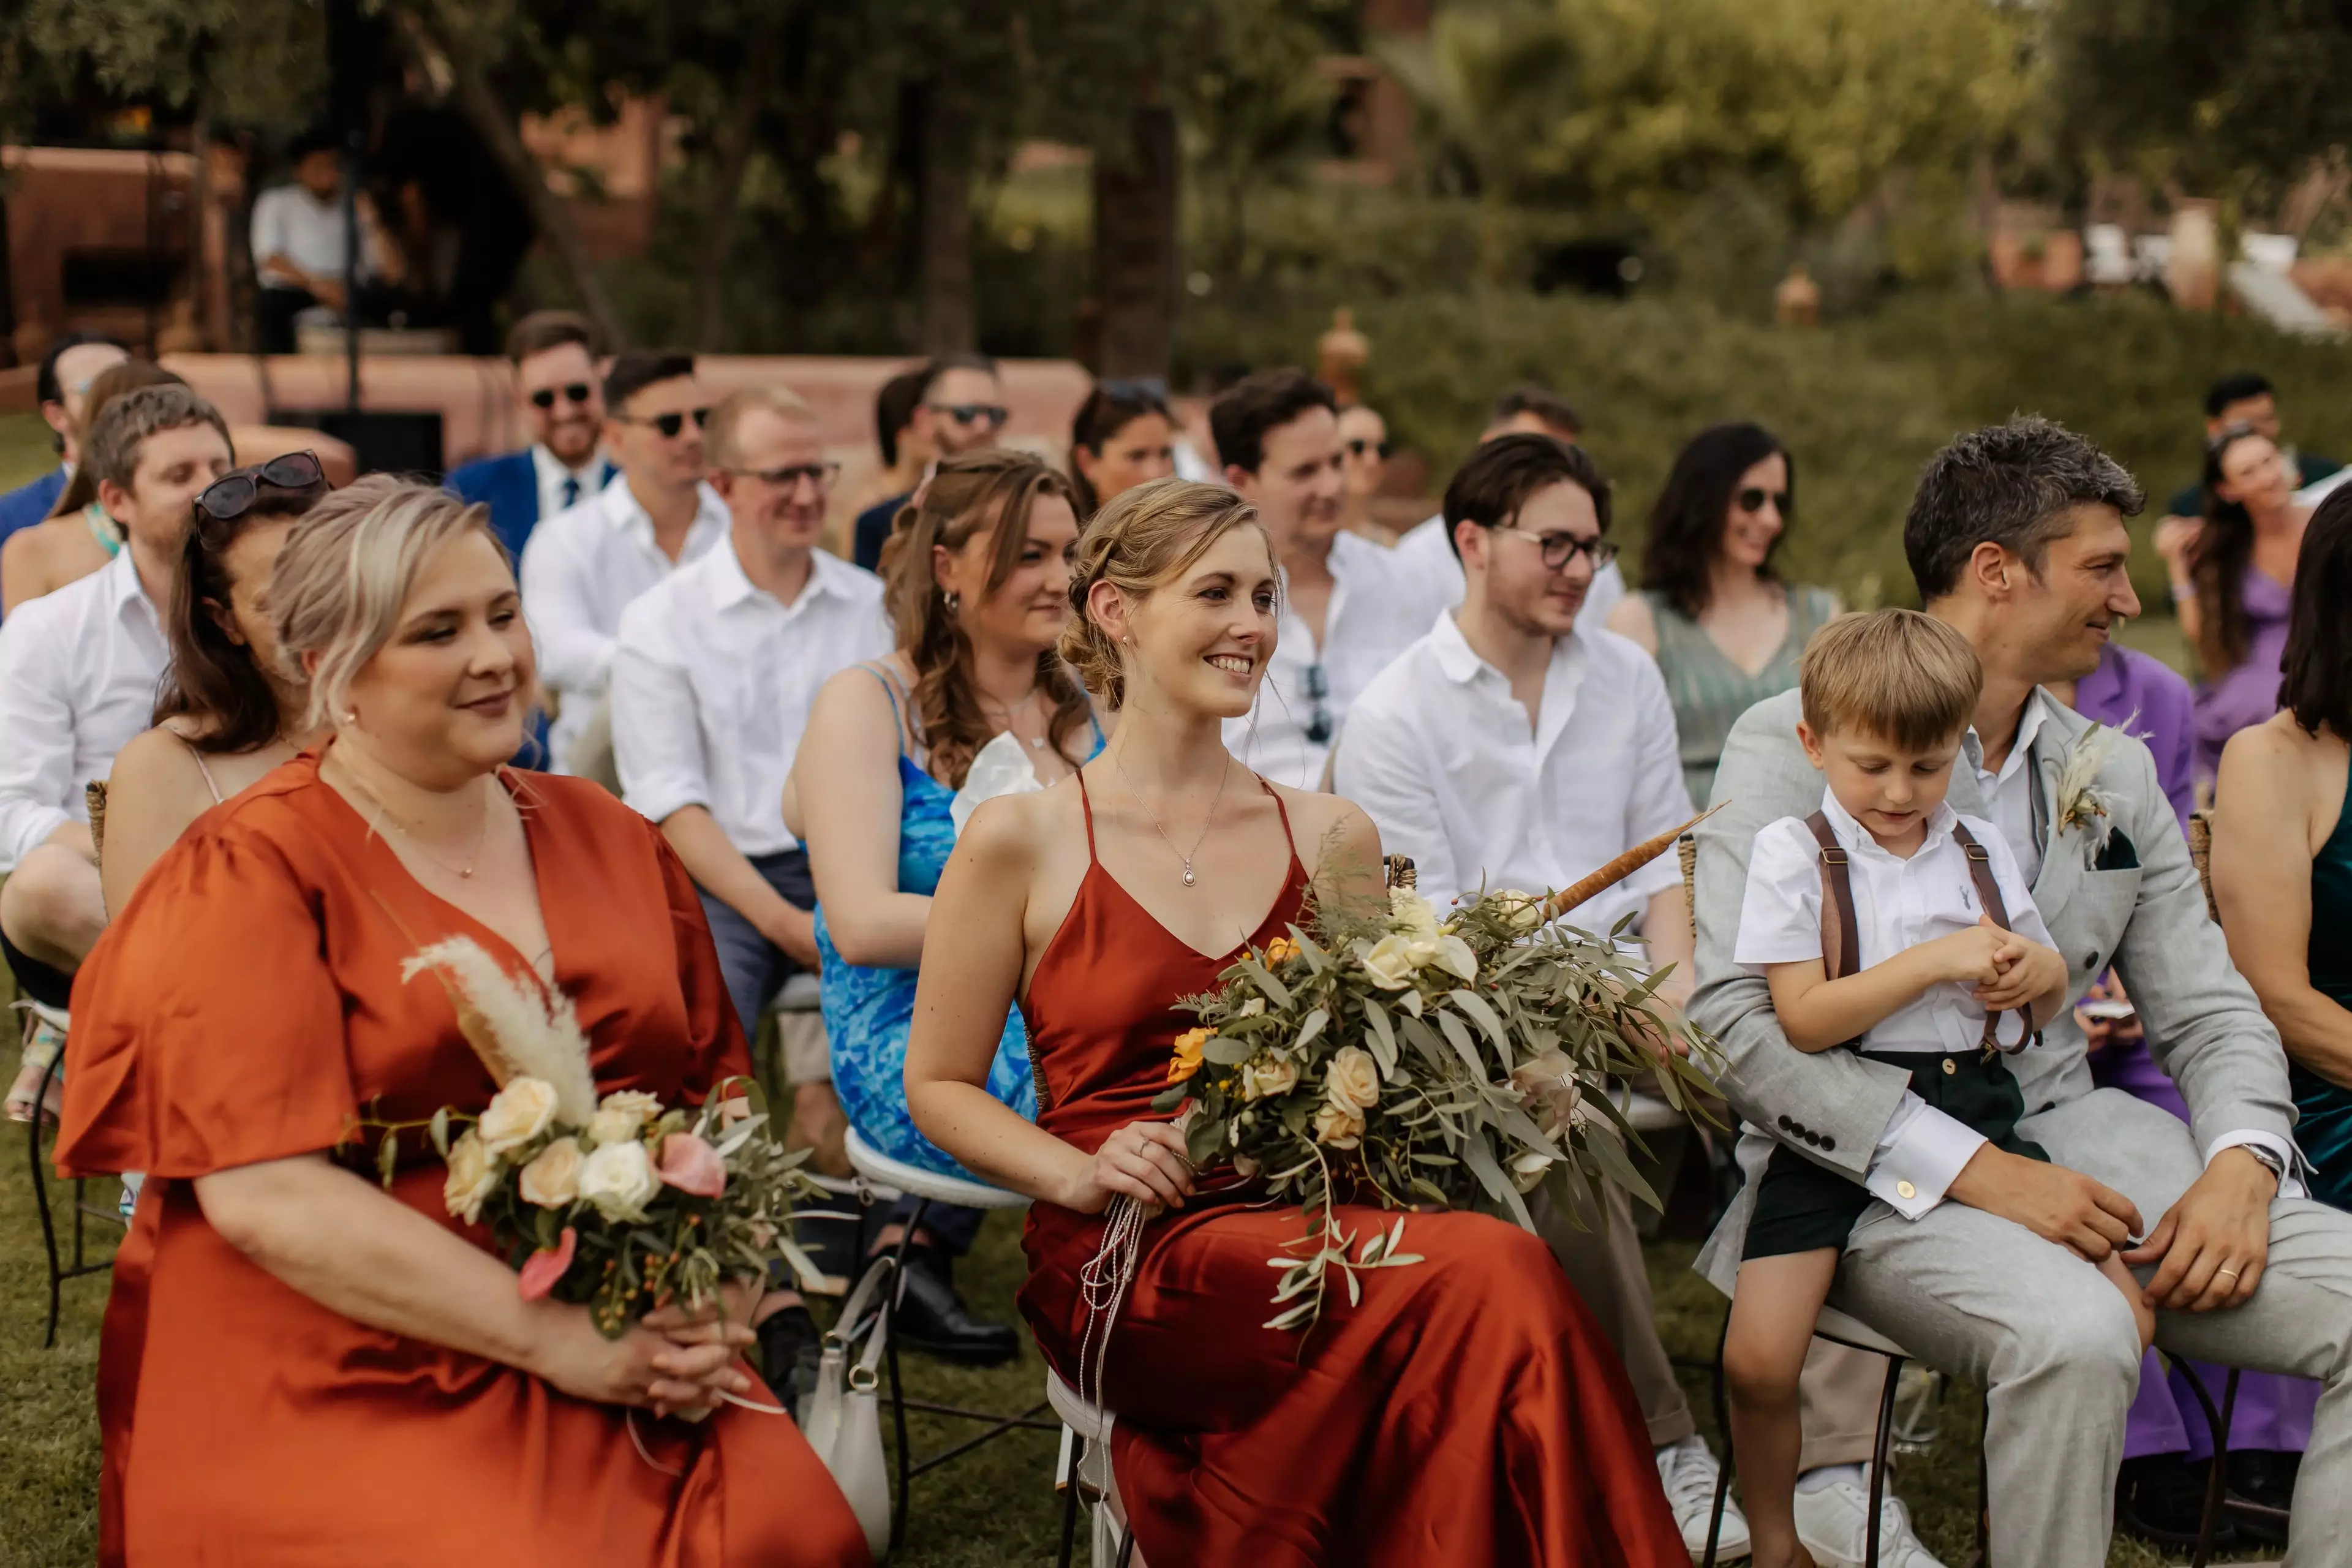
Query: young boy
point(1887, 922)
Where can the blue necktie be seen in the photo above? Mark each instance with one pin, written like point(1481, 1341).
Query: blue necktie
point(570, 490)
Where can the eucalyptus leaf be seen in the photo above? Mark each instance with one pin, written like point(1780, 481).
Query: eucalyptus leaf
point(1459, 1037)
point(1312, 1026)
point(1610, 1156)
point(1276, 991)
point(1470, 1002)
point(1227, 1052)
point(1382, 1038)
point(441, 1133)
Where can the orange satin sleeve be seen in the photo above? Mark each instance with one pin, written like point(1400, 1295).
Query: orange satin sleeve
point(208, 1031)
point(715, 1040)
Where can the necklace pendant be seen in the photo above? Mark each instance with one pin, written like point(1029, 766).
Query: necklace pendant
point(468, 872)
point(1188, 873)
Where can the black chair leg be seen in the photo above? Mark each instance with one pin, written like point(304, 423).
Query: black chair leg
point(1730, 1455)
point(1878, 1459)
point(897, 1386)
point(2217, 1477)
point(1070, 1499)
point(41, 1204)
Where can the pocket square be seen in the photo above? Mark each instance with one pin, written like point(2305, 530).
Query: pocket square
point(2117, 854)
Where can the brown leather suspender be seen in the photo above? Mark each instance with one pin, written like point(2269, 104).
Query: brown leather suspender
point(1842, 933)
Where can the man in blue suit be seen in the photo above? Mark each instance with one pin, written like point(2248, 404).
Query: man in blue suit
point(72, 363)
point(563, 402)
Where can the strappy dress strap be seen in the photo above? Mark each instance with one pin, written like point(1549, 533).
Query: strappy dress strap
point(1284, 812)
point(197, 752)
point(891, 689)
point(1087, 804)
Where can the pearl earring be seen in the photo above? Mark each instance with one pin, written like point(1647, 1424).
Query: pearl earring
point(351, 718)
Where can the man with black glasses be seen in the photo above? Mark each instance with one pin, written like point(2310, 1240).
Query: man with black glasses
point(1348, 606)
point(555, 357)
point(961, 409)
point(583, 567)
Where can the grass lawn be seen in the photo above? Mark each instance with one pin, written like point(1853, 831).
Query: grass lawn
point(24, 450)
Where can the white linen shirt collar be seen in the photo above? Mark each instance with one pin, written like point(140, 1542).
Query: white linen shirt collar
point(2009, 790)
point(549, 472)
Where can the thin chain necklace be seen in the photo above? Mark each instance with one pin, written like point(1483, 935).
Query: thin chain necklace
point(1154, 819)
point(1036, 743)
point(385, 819)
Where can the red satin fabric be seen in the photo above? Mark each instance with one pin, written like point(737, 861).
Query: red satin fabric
point(1469, 1411)
point(248, 1006)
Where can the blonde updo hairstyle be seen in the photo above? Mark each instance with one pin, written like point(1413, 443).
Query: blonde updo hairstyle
point(1138, 542)
point(343, 576)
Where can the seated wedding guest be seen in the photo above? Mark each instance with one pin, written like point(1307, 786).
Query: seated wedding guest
point(713, 676)
point(1427, 546)
point(906, 455)
point(1364, 455)
point(79, 670)
point(64, 375)
point(2241, 397)
point(554, 354)
point(1508, 749)
point(78, 538)
point(2233, 584)
point(290, 1316)
point(1726, 630)
point(1465, 1409)
point(300, 241)
point(583, 567)
point(976, 584)
point(1983, 1262)
point(959, 408)
point(1122, 436)
point(1347, 605)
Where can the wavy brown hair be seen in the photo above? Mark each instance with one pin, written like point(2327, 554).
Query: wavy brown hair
point(980, 492)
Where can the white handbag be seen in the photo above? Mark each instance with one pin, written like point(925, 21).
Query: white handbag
point(842, 1420)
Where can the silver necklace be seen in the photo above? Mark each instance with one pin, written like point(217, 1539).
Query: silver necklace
point(384, 818)
point(1036, 743)
point(1154, 820)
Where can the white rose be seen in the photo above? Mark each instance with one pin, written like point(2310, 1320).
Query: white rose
point(522, 1110)
point(1412, 911)
point(619, 1180)
point(1389, 963)
point(1263, 1075)
point(473, 1177)
point(646, 1107)
point(1353, 1082)
point(1520, 912)
point(1337, 1126)
point(553, 1180)
point(615, 1127)
point(1453, 955)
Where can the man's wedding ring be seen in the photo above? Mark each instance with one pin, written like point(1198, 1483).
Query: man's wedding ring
point(2230, 1273)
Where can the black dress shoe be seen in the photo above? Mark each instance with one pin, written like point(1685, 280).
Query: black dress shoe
point(932, 1318)
point(2161, 1498)
point(2261, 1491)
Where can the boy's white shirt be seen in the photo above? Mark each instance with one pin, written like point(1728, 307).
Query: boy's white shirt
point(1898, 904)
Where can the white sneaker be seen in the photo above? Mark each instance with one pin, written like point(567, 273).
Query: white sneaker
point(1688, 1473)
point(1833, 1523)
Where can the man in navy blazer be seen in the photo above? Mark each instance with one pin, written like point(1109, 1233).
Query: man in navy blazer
point(73, 362)
point(563, 402)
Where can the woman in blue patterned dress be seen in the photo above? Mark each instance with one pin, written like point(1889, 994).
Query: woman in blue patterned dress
point(978, 581)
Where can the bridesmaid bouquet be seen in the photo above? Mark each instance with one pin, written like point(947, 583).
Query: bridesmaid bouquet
point(1411, 1060)
point(622, 1204)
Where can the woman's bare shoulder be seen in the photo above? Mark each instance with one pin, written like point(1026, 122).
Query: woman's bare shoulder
point(154, 761)
point(1324, 826)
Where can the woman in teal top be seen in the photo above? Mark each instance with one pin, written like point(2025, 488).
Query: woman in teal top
point(1726, 630)
point(2283, 852)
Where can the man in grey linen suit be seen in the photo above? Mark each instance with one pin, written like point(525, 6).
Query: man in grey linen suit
point(1975, 1258)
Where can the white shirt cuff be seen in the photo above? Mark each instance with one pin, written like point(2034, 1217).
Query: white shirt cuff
point(1919, 1156)
point(2291, 1184)
point(29, 830)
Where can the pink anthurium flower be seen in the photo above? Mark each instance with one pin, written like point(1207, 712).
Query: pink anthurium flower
point(691, 1165)
point(542, 1268)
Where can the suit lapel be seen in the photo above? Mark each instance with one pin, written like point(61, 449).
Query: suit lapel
point(2062, 857)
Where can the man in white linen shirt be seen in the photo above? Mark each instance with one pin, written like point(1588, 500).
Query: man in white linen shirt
point(581, 568)
point(79, 671)
point(1429, 559)
point(1348, 604)
point(1509, 747)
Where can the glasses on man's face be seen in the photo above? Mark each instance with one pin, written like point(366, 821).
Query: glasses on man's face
point(1359, 446)
point(820, 475)
point(1753, 497)
point(1319, 692)
point(573, 392)
point(667, 426)
point(972, 413)
point(1560, 549)
point(232, 495)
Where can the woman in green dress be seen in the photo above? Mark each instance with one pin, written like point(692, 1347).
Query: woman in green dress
point(1726, 630)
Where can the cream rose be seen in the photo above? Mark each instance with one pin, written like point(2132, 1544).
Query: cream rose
point(645, 1106)
point(553, 1180)
point(619, 1179)
point(1337, 1126)
point(1520, 912)
point(522, 1110)
point(473, 1177)
point(1413, 912)
point(607, 1127)
point(1353, 1082)
point(1390, 963)
point(1263, 1075)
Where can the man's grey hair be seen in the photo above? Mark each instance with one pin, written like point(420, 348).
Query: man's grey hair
point(2012, 484)
point(123, 427)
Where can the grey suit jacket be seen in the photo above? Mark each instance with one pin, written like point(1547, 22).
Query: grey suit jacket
point(2204, 1026)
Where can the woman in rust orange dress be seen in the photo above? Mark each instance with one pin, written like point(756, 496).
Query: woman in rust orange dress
point(1469, 1410)
point(298, 1368)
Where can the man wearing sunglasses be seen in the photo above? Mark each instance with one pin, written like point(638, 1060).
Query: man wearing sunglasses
point(961, 409)
point(79, 669)
point(1515, 747)
point(563, 405)
point(584, 566)
point(72, 363)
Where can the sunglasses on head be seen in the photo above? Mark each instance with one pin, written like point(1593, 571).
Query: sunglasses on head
point(1753, 497)
point(972, 413)
point(668, 425)
point(1318, 717)
point(573, 392)
point(232, 495)
point(1359, 446)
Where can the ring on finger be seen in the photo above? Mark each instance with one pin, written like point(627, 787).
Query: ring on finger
point(2230, 1273)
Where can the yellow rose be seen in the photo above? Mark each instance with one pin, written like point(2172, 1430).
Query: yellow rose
point(473, 1177)
point(521, 1112)
point(1413, 912)
point(1520, 912)
point(1280, 949)
point(553, 1180)
point(1354, 1078)
point(1265, 1074)
point(1389, 963)
point(1337, 1126)
point(1187, 1060)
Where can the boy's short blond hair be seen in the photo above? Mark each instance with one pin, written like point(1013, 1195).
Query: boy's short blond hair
point(1904, 677)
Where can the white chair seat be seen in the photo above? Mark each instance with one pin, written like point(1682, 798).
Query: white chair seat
point(802, 993)
point(1840, 1328)
point(1648, 1113)
point(896, 1178)
point(1088, 1421)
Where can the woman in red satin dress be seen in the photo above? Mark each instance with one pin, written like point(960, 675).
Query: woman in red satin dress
point(1469, 1410)
point(298, 1368)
